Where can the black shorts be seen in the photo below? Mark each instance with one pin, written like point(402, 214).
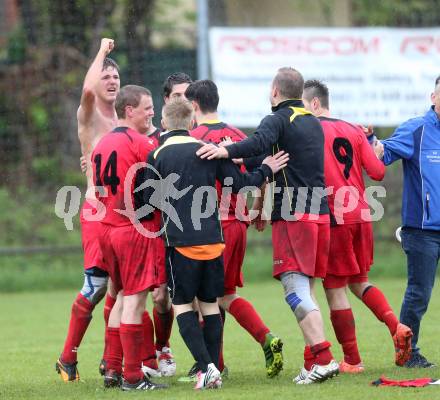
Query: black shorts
point(188, 278)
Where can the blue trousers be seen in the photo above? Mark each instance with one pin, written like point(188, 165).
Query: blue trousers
point(422, 248)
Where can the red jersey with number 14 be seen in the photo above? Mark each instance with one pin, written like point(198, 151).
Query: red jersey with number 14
point(231, 206)
point(114, 157)
point(347, 153)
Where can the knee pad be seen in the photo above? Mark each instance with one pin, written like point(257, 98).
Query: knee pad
point(95, 285)
point(297, 294)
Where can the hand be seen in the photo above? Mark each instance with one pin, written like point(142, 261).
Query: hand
point(277, 162)
point(259, 222)
point(237, 161)
point(378, 149)
point(83, 164)
point(211, 151)
point(226, 142)
point(368, 130)
point(107, 45)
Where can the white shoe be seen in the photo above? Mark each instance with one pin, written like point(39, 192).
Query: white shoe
point(211, 379)
point(301, 376)
point(167, 365)
point(150, 372)
point(320, 373)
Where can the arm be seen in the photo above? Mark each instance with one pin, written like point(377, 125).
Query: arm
point(271, 165)
point(373, 166)
point(401, 143)
point(260, 142)
point(87, 104)
point(252, 163)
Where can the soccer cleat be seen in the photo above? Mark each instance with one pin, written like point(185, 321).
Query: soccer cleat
point(272, 348)
point(347, 368)
point(150, 372)
point(301, 376)
point(143, 384)
point(68, 372)
point(402, 344)
point(191, 376)
point(102, 367)
point(418, 361)
point(211, 379)
point(320, 373)
point(112, 379)
point(167, 365)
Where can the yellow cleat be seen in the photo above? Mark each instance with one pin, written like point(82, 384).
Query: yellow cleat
point(68, 372)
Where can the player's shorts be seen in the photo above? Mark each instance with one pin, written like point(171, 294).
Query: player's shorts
point(130, 258)
point(90, 241)
point(234, 233)
point(300, 247)
point(350, 256)
point(188, 278)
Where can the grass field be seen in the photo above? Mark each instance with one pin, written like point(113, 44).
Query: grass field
point(33, 326)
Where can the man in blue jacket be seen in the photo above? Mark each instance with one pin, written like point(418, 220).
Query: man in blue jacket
point(417, 143)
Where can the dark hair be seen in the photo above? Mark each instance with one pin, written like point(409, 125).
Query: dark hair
point(174, 79)
point(129, 95)
point(315, 88)
point(437, 81)
point(289, 82)
point(109, 62)
point(205, 94)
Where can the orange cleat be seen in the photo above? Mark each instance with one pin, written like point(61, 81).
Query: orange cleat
point(402, 344)
point(347, 368)
point(68, 372)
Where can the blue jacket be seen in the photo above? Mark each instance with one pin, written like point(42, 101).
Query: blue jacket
point(417, 143)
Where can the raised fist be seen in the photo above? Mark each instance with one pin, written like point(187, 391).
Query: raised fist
point(107, 45)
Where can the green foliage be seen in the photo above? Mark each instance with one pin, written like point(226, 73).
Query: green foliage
point(396, 12)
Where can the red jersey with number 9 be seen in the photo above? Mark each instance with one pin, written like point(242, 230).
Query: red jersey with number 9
point(116, 167)
point(347, 153)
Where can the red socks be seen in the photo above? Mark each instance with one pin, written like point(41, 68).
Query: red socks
point(308, 358)
point(245, 314)
point(345, 330)
point(80, 318)
point(321, 353)
point(109, 303)
point(148, 349)
point(375, 300)
point(132, 338)
point(113, 349)
point(162, 325)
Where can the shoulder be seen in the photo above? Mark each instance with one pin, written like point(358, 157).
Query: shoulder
point(413, 124)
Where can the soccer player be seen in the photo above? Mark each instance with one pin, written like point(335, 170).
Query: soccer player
point(347, 154)
point(194, 241)
point(173, 88)
point(235, 220)
point(96, 116)
point(300, 217)
point(130, 255)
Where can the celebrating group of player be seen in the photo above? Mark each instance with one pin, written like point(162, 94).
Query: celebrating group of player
point(193, 269)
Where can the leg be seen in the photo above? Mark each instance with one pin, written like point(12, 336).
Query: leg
point(422, 252)
point(94, 287)
point(343, 323)
point(163, 321)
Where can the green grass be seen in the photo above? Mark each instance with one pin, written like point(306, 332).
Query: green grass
point(33, 326)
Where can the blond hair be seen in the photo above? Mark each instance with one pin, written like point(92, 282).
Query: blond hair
point(177, 114)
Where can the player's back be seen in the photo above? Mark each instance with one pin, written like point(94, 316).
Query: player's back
point(216, 132)
point(115, 168)
point(347, 154)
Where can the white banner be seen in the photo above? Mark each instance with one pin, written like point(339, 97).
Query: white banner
point(379, 76)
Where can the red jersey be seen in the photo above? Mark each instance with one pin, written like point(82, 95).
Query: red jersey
point(113, 157)
point(216, 132)
point(347, 152)
point(154, 136)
